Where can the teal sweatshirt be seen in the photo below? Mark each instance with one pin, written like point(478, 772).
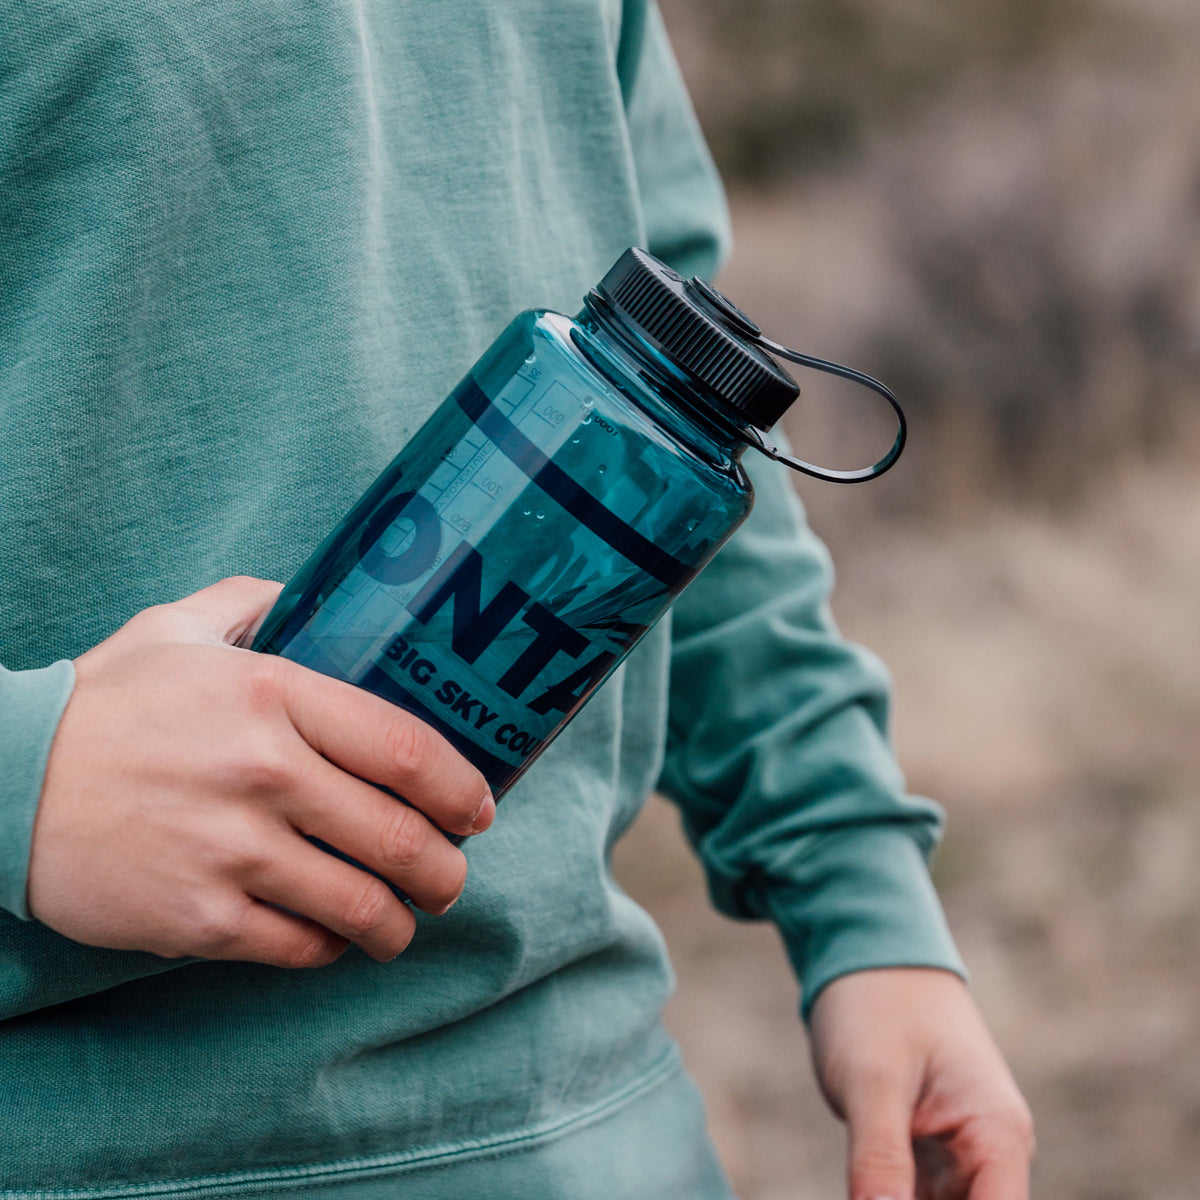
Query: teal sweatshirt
point(245, 249)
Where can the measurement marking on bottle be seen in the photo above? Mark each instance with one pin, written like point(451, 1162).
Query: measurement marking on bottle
point(556, 402)
point(514, 394)
point(464, 477)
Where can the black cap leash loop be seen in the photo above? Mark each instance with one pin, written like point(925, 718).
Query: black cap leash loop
point(748, 330)
point(706, 336)
point(831, 368)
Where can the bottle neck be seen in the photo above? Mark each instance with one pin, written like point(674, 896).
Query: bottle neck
point(649, 378)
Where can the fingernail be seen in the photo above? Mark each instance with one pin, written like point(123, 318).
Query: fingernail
point(485, 813)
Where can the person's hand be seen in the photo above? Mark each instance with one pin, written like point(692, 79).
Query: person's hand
point(904, 1058)
point(185, 773)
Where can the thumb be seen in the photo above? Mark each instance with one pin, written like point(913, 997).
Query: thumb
point(228, 611)
point(881, 1155)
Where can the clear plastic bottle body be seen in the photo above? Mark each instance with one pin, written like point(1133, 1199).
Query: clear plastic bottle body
point(535, 527)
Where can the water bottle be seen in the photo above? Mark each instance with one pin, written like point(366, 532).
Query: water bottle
point(548, 513)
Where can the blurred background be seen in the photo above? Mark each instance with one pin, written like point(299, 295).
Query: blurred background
point(995, 206)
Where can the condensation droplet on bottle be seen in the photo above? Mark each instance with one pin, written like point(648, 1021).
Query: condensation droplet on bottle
point(540, 516)
point(588, 402)
point(692, 524)
point(601, 469)
point(575, 441)
point(587, 420)
point(526, 512)
point(529, 361)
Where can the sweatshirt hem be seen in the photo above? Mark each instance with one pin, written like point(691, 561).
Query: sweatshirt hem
point(234, 1183)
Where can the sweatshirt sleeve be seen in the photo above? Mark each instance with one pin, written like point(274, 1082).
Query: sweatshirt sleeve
point(31, 703)
point(778, 756)
point(777, 751)
point(683, 203)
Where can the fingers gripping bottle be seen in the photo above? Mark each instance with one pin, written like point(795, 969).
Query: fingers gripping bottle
point(548, 513)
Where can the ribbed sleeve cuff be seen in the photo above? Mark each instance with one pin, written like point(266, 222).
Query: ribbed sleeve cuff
point(861, 899)
point(31, 703)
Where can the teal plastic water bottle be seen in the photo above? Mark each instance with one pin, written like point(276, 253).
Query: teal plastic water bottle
point(548, 513)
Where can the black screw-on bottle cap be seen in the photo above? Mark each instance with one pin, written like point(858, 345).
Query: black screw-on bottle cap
point(703, 333)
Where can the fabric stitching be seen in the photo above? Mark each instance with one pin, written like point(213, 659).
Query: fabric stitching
point(372, 1166)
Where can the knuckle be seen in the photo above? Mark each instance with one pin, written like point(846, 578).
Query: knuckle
point(478, 790)
point(248, 849)
point(243, 589)
point(1001, 1130)
point(1020, 1122)
point(217, 929)
point(406, 743)
point(406, 928)
point(451, 883)
point(875, 1078)
point(262, 678)
point(268, 770)
point(882, 1159)
point(314, 948)
point(241, 582)
point(470, 801)
point(152, 619)
point(402, 840)
point(365, 909)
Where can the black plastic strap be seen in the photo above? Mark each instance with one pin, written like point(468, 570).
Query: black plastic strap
point(830, 368)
